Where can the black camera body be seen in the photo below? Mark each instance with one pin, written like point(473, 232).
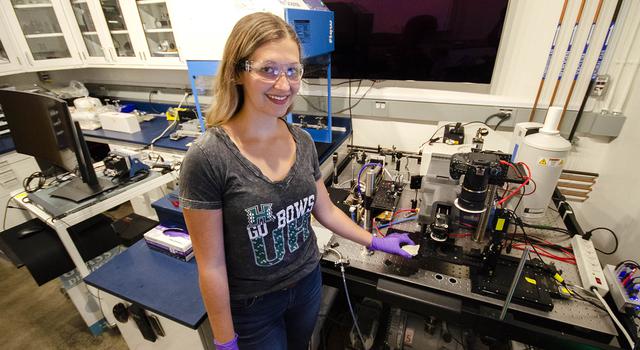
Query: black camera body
point(480, 169)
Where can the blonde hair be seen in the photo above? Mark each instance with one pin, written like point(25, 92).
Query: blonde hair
point(249, 33)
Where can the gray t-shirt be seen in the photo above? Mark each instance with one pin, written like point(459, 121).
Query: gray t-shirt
point(268, 240)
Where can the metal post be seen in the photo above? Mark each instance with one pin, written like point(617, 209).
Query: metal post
point(478, 235)
point(514, 283)
point(368, 193)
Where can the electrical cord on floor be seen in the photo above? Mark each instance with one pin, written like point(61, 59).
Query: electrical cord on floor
point(613, 317)
point(340, 263)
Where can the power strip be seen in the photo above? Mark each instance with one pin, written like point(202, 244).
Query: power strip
point(588, 265)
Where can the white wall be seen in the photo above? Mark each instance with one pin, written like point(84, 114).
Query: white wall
point(615, 201)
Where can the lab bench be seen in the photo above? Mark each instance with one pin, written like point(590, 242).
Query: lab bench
point(432, 285)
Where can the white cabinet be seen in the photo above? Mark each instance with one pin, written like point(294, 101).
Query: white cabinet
point(50, 34)
point(136, 33)
point(10, 61)
point(117, 23)
point(84, 18)
point(159, 46)
point(14, 168)
point(42, 33)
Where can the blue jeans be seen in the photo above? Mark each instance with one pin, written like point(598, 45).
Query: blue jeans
point(282, 319)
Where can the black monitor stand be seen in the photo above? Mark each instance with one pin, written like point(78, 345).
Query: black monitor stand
point(88, 185)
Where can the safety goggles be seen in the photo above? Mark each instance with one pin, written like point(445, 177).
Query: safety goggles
point(271, 71)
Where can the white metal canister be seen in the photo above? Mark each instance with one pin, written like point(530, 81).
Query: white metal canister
point(545, 153)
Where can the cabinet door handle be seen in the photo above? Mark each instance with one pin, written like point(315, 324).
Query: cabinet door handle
point(84, 56)
point(111, 54)
point(144, 55)
point(19, 60)
point(28, 58)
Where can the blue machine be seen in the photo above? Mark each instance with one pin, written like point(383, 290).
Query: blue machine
point(315, 31)
point(200, 75)
point(169, 211)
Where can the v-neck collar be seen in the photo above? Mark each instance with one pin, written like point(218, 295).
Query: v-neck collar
point(252, 167)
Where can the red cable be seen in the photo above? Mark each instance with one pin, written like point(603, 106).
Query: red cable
point(459, 235)
point(626, 279)
point(572, 261)
point(517, 190)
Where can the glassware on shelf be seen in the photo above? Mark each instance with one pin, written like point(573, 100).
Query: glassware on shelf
point(117, 28)
point(157, 24)
point(48, 48)
point(83, 16)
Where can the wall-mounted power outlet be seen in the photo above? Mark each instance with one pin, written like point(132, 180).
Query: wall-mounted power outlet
point(380, 108)
point(600, 86)
point(508, 111)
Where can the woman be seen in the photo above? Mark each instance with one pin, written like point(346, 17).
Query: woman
point(248, 188)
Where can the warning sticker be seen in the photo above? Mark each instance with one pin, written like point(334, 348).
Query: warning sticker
point(551, 162)
point(20, 195)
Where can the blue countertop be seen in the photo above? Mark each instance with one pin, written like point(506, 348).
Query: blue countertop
point(157, 282)
point(6, 144)
point(152, 129)
point(149, 130)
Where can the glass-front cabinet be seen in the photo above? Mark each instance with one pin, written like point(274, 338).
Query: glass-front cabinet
point(73, 33)
point(10, 60)
point(46, 37)
point(139, 32)
point(158, 32)
point(118, 31)
point(91, 42)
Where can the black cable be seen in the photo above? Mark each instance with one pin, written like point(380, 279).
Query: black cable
point(332, 84)
point(501, 115)
point(518, 222)
point(151, 103)
point(26, 183)
point(18, 208)
point(373, 82)
point(615, 237)
point(580, 297)
point(501, 121)
point(546, 228)
point(431, 139)
point(318, 109)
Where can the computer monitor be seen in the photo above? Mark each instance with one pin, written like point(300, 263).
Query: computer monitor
point(41, 127)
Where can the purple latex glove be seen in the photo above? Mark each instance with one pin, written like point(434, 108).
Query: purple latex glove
point(391, 244)
point(230, 345)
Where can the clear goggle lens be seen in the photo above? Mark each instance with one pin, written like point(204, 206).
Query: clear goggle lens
point(271, 71)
